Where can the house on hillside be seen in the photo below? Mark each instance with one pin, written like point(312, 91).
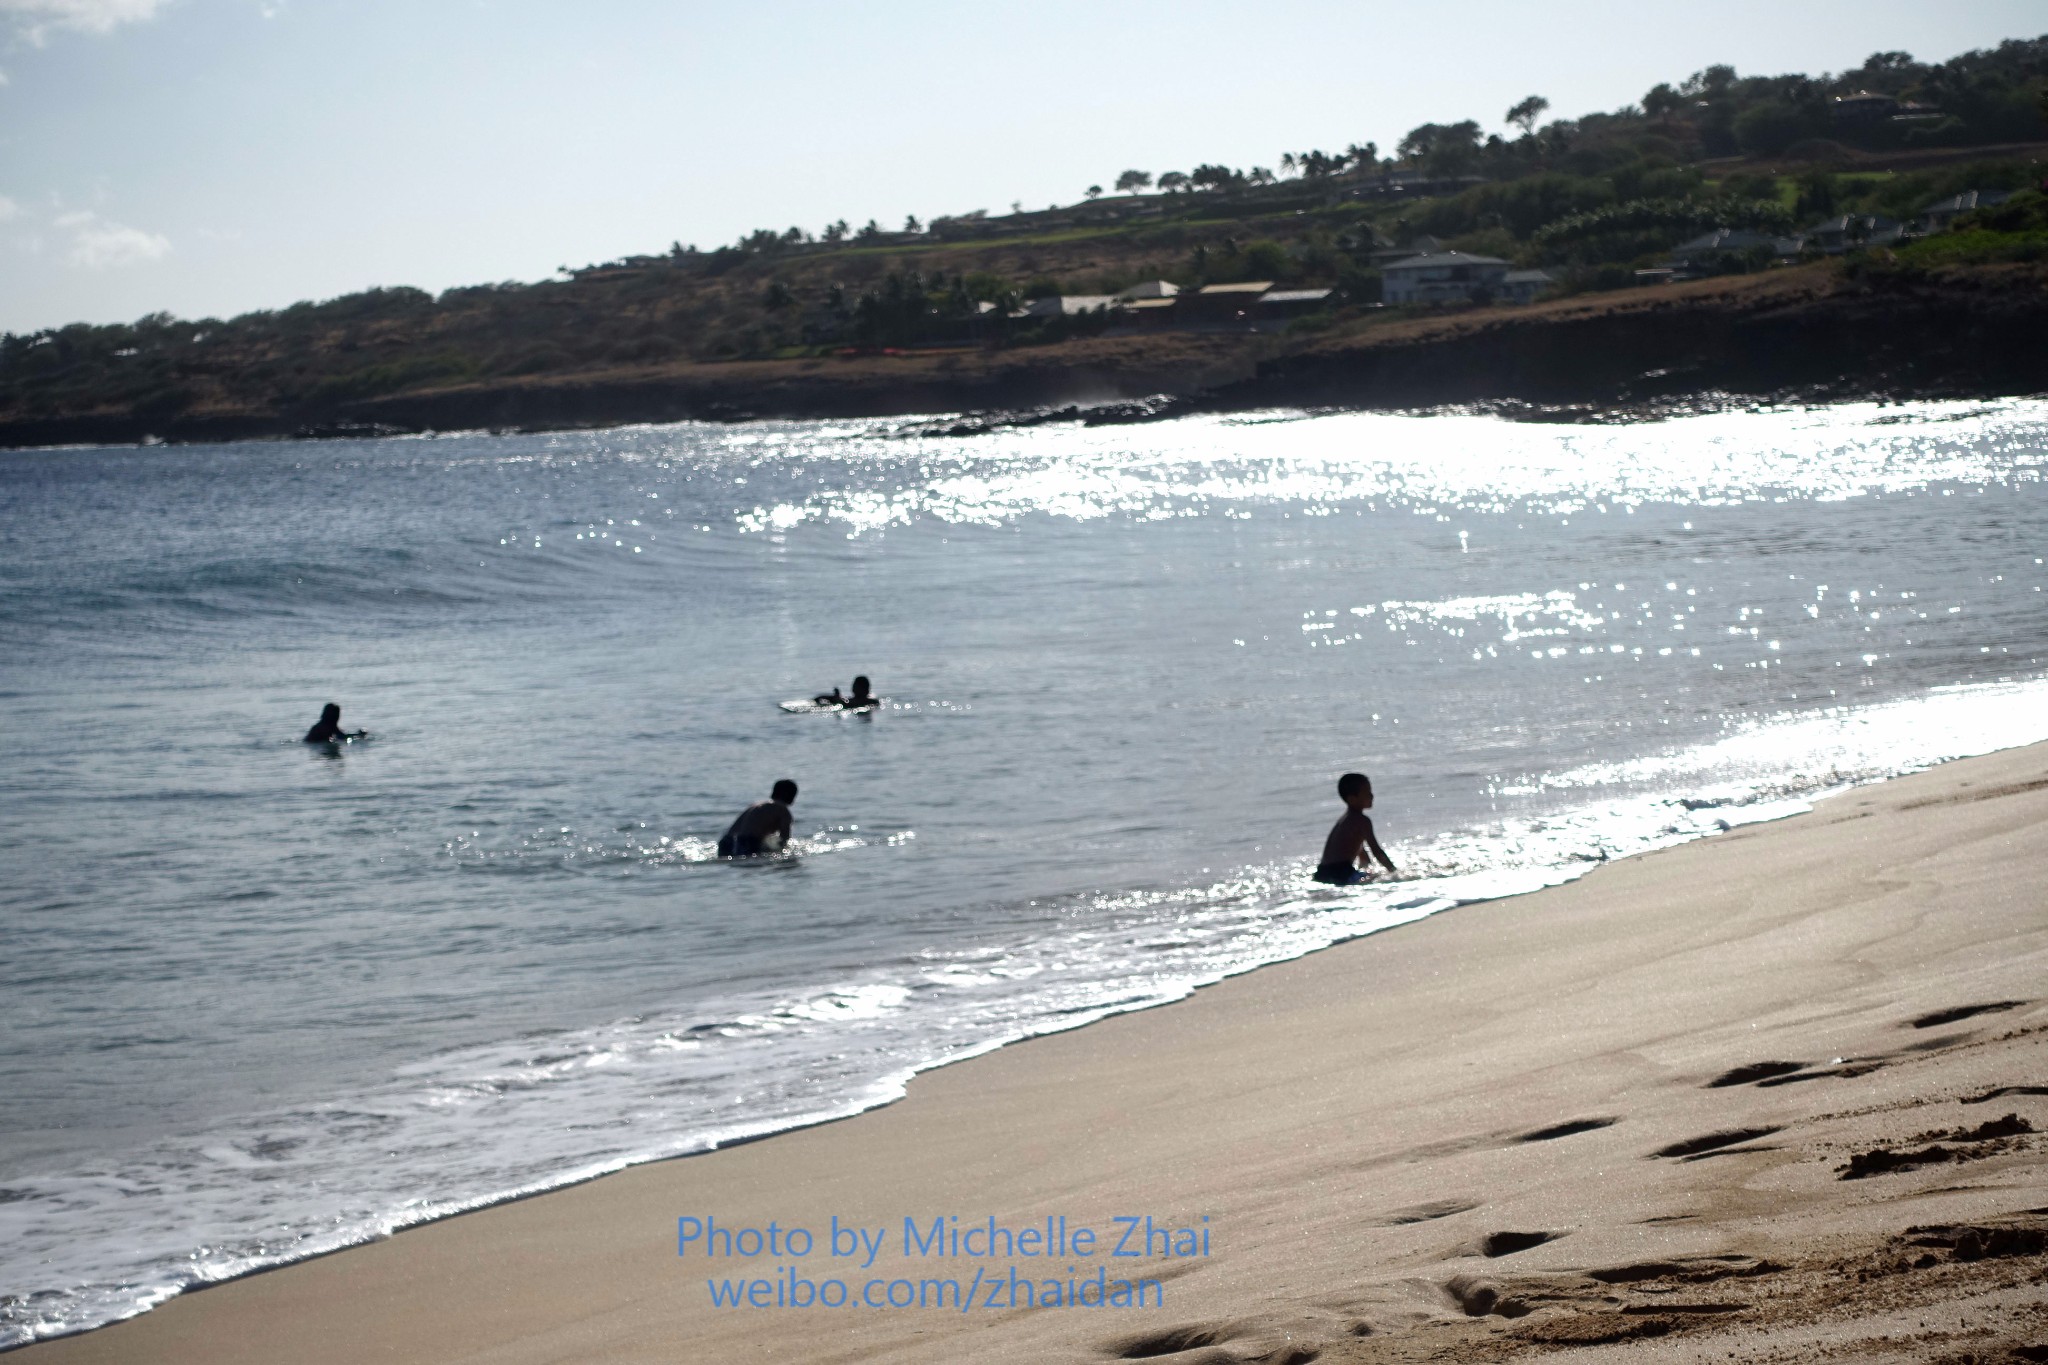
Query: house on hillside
point(1939, 217)
point(1525, 286)
point(1421, 246)
point(1281, 305)
point(1443, 277)
point(1220, 305)
point(1067, 305)
point(1725, 249)
point(1862, 109)
point(1150, 289)
point(1852, 230)
point(1147, 314)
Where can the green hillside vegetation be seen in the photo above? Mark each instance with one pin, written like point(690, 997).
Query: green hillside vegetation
point(1591, 200)
point(2016, 230)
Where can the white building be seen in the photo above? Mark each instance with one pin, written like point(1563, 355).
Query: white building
point(1067, 305)
point(1442, 277)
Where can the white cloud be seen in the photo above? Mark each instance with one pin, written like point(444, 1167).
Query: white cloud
point(35, 20)
point(98, 244)
point(8, 209)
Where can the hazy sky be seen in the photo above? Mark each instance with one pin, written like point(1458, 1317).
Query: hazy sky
point(212, 156)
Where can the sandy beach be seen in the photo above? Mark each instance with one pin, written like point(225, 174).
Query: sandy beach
point(1775, 1095)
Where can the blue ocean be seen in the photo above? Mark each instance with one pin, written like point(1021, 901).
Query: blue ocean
point(262, 999)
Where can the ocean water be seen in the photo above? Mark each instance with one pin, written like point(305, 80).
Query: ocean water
point(260, 1000)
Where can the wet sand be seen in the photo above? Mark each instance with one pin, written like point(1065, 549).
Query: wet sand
point(1778, 1094)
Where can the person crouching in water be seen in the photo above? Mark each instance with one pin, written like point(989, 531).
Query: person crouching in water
point(762, 827)
point(1344, 861)
point(327, 730)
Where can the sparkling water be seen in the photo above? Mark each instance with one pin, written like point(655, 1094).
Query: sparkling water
point(261, 999)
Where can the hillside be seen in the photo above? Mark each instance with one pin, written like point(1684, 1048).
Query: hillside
point(1821, 187)
point(1805, 334)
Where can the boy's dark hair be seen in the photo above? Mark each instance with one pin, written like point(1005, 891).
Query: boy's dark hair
point(784, 791)
point(1351, 784)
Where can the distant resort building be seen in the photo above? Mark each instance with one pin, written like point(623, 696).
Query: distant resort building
point(1938, 217)
point(1148, 313)
point(1853, 230)
point(1221, 305)
point(1443, 277)
point(1067, 305)
point(1726, 249)
point(1867, 110)
point(1525, 286)
point(1281, 305)
point(1729, 249)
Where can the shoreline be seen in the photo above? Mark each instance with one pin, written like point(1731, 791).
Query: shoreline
point(576, 1202)
point(1442, 894)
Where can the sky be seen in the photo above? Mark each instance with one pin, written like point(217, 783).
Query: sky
point(209, 157)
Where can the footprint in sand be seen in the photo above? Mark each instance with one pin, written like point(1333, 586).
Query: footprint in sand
point(1755, 1071)
point(1563, 1130)
point(1424, 1213)
point(1168, 1341)
point(1712, 1143)
point(1962, 1012)
point(1497, 1244)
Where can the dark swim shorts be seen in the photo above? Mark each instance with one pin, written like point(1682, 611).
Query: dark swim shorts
point(739, 846)
point(1339, 874)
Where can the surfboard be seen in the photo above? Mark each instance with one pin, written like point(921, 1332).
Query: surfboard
point(804, 706)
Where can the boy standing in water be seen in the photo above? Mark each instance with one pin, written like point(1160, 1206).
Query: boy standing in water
point(1343, 851)
point(762, 827)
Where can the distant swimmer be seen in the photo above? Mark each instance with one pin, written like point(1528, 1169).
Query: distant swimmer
point(861, 699)
point(762, 827)
point(1344, 861)
point(327, 730)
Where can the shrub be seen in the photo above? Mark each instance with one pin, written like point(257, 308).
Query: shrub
point(1768, 128)
point(1266, 260)
point(1975, 246)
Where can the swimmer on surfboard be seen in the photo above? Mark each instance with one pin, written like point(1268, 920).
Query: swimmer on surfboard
point(861, 697)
